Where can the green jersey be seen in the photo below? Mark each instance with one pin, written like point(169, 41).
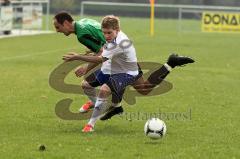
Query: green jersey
point(89, 33)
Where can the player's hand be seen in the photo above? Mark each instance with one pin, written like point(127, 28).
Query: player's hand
point(70, 57)
point(80, 71)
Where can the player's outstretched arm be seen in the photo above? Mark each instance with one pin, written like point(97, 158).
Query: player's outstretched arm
point(74, 56)
point(90, 66)
point(81, 71)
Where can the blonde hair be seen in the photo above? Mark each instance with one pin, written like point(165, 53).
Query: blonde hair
point(111, 22)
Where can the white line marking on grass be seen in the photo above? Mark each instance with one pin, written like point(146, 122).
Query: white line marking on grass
point(18, 33)
point(37, 53)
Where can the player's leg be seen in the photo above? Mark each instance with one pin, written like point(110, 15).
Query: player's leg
point(99, 107)
point(88, 86)
point(173, 60)
point(145, 87)
point(92, 81)
point(91, 93)
point(117, 83)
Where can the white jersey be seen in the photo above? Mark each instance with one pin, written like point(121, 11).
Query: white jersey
point(121, 56)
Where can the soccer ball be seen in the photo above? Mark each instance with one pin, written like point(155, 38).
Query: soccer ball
point(155, 128)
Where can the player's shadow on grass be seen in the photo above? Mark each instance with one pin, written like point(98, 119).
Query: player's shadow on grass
point(112, 130)
point(154, 142)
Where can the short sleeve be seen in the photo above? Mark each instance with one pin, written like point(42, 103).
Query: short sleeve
point(90, 42)
point(111, 51)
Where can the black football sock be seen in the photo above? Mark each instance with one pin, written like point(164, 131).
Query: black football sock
point(157, 76)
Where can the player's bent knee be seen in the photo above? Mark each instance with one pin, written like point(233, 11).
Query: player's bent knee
point(142, 89)
point(85, 85)
point(143, 92)
point(104, 91)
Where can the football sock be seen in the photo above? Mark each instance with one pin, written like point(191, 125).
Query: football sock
point(116, 104)
point(168, 67)
point(97, 111)
point(157, 76)
point(91, 93)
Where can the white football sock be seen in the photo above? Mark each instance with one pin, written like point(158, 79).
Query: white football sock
point(169, 68)
point(98, 110)
point(116, 104)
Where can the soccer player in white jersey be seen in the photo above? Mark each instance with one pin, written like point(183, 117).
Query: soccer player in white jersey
point(119, 68)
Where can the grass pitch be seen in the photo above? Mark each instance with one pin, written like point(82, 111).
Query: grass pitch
point(206, 94)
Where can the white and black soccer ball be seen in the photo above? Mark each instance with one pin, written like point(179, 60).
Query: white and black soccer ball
point(155, 128)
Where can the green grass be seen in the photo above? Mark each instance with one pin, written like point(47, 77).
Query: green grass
point(210, 88)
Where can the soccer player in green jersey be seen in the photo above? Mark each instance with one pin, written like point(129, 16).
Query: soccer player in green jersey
point(89, 33)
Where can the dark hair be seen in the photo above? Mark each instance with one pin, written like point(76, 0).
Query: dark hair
point(62, 16)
